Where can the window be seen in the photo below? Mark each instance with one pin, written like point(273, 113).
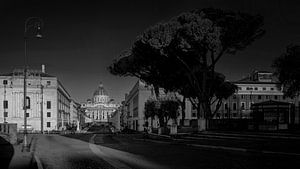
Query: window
point(48, 114)
point(242, 96)
point(225, 106)
point(275, 97)
point(255, 88)
point(239, 88)
point(267, 97)
point(243, 105)
point(27, 114)
point(234, 96)
point(259, 97)
point(234, 106)
point(264, 88)
point(250, 104)
point(282, 117)
point(48, 124)
point(48, 83)
point(135, 112)
point(5, 114)
point(5, 82)
point(27, 102)
point(272, 88)
point(48, 104)
point(5, 104)
point(194, 114)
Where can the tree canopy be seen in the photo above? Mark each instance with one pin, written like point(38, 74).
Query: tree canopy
point(180, 55)
point(287, 70)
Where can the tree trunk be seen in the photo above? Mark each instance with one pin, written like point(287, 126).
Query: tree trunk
point(183, 111)
point(151, 123)
point(156, 91)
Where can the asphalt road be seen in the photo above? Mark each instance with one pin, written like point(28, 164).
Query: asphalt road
point(173, 155)
point(58, 152)
point(132, 151)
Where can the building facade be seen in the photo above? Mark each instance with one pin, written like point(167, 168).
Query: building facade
point(259, 86)
point(115, 119)
point(76, 116)
point(48, 102)
point(100, 107)
point(135, 104)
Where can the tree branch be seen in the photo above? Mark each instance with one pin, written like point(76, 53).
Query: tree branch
point(217, 107)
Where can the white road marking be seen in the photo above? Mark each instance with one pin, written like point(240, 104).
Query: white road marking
point(38, 162)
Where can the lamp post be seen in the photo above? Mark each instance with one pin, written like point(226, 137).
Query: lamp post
point(36, 23)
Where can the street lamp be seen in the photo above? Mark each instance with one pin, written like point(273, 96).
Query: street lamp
point(37, 24)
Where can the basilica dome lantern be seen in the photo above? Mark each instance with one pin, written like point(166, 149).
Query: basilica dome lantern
point(100, 95)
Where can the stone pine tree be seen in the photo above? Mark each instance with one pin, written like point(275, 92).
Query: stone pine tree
point(181, 54)
point(287, 70)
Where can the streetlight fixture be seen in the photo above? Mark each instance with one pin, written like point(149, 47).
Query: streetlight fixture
point(37, 24)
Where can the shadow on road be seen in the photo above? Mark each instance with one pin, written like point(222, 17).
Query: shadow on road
point(6, 153)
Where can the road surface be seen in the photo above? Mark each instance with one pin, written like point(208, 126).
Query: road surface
point(58, 152)
point(132, 151)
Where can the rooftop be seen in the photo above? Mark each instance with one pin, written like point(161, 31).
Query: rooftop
point(31, 72)
point(259, 77)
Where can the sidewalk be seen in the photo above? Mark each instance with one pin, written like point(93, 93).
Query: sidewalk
point(22, 160)
point(12, 156)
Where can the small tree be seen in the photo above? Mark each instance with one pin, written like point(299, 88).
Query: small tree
point(287, 70)
point(150, 110)
point(169, 109)
point(163, 109)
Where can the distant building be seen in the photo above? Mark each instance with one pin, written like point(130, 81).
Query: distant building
point(115, 119)
point(135, 104)
point(133, 116)
point(76, 116)
point(100, 107)
point(48, 100)
point(259, 86)
point(123, 115)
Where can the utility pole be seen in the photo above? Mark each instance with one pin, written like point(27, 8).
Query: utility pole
point(42, 108)
point(4, 113)
point(37, 23)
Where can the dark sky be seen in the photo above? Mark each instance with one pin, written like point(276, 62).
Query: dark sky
point(82, 38)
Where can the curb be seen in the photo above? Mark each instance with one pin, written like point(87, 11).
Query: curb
point(33, 163)
point(226, 148)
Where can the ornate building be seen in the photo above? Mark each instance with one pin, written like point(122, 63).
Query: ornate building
point(48, 102)
point(100, 107)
